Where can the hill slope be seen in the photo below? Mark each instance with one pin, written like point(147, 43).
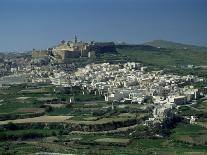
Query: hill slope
point(173, 45)
point(168, 53)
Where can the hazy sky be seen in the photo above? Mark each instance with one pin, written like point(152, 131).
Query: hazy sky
point(27, 24)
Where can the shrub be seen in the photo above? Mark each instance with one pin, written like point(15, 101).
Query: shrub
point(12, 126)
point(54, 133)
point(31, 135)
point(170, 123)
point(49, 109)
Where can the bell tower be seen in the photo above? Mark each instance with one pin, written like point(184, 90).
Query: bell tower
point(76, 39)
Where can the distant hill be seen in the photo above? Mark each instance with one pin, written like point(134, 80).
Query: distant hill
point(138, 47)
point(163, 53)
point(173, 45)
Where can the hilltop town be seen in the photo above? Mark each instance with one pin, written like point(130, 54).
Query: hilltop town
point(103, 77)
point(77, 94)
point(74, 49)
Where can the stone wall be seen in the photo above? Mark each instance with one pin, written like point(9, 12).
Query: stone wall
point(41, 54)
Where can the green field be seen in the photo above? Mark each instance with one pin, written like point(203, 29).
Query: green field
point(87, 111)
point(190, 134)
point(163, 57)
point(167, 55)
point(89, 145)
point(93, 129)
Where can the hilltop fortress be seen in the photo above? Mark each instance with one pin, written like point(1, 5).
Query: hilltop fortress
point(75, 49)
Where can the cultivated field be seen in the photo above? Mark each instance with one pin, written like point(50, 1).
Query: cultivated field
point(41, 119)
point(113, 141)
point(87, 127)
point(30, 110)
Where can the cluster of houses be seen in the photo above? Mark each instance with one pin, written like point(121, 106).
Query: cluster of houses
point(124, 83)
point(131, 83)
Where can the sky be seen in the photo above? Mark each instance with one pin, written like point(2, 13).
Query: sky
point(39, 24)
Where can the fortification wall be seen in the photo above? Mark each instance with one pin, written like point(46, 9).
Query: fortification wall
point(40, 54)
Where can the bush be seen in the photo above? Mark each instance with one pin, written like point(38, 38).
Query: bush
point(60, 132)
point(99, 112)
point(69, 105)
point(63, 132)
point(12, 126)
point(63, 99)
point(49, 109)
point(54, 133)
point(31, 135)
point(170, 123)
point(143, 132)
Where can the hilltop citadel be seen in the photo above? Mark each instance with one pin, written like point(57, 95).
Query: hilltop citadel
point(75, 49)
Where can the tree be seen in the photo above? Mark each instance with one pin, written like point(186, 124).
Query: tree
point(12, 126)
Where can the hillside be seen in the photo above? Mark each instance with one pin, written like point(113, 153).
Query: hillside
point(173, 45)
point(163, 53)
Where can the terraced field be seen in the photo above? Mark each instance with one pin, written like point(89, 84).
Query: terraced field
point(41, 119)
point(87, 127)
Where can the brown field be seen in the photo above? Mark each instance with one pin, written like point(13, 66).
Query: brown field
point(100, 121)
point(107, 120)
point(167, 153)
point(194, 153)
point(90, 118)
point(51, 146)
point(203, 106)
point(90, 105)
point(185, 153)
point(199, 140)
point(203, 123)
point(30, 110)
point(118, 130)
point(127, 115)
point(40, 119)
point(22, 98)
point(56, 105)
point(45, 98)
point(121, 141)
point(33, 91)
